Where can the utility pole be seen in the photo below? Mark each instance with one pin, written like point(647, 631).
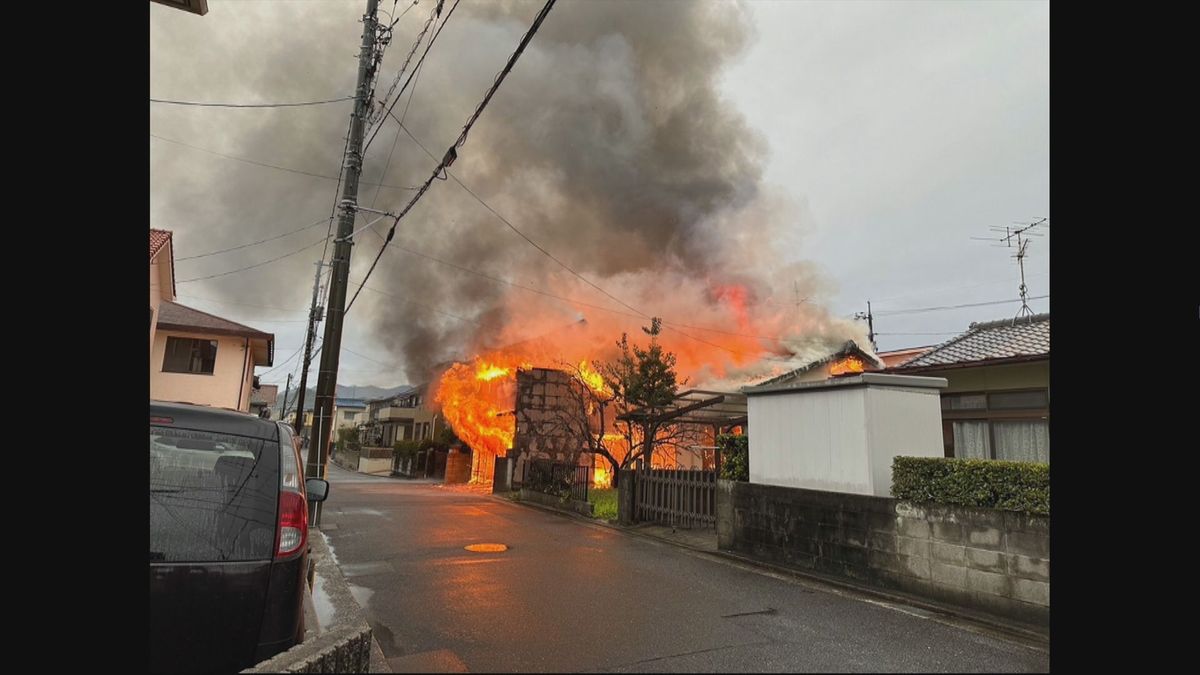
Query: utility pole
point(332, 346)
point(870, 325)
point(283, 407)
point(314, 316)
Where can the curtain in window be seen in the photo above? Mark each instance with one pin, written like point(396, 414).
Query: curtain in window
point(1022, 441)
point(971, 440)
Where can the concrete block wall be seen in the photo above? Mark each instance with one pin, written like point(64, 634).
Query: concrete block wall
point(987, 560)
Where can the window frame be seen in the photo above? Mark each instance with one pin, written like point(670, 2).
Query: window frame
point(989, 415)
point(216, 345)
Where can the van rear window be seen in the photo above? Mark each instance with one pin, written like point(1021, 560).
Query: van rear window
point(213, 497)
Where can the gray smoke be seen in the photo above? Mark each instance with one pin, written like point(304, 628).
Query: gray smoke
point(609, 144)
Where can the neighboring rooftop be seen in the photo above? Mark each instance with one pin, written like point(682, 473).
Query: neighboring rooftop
point(180, 317)
point(849, 348)
point(1021, 339)
point(174, 316)
point(158, 239)
point(898, 357)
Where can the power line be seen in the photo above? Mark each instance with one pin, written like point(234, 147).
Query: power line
point(269, 166)
point(250, 105)
point(253, 243)
point(388, 365)
point(674, 326)
point(942, 333)
point(294, 355)
point(955, 288)
point(419, 304)
point(437, 10)
point(451, 153)
point(970, 304)
point(246, 304)
point(250, 267)
point(415, 69)
point(638, 313)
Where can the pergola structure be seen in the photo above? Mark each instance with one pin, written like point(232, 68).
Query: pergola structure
point(720, 410)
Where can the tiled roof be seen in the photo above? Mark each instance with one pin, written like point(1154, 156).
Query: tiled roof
point(901, 356)
point(1004, 339)
point(158, 239)
point(848, 349)
point(175, 315)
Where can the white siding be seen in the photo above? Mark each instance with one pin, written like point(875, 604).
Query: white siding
point(841, 439)
point(904, 422)
point(813, 440)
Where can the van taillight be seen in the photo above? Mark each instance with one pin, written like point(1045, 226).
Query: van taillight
point(293, 523)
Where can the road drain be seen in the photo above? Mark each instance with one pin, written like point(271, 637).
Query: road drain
point(486, 548)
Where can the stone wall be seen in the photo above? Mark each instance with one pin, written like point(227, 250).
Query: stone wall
point(987, 560)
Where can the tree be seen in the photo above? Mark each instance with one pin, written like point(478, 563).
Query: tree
point(643, 380)
point(598, 397)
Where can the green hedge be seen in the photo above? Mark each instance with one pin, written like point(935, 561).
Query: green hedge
point(735, 456)
point(406, 448)
point(1012, 486)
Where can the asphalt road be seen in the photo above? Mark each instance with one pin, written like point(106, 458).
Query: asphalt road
point(569, 596)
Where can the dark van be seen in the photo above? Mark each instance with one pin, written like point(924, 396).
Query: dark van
point(228, 538)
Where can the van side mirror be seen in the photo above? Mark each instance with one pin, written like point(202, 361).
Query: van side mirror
point(317, 489)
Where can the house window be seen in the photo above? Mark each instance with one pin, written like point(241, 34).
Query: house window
point(348, 415)
point(187, 355)
point(1007, 425)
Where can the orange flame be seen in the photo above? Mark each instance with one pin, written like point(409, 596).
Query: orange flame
point(593, 379)
point(850, 364)
point(488, 373)
point(475, 398)
point(718, 331)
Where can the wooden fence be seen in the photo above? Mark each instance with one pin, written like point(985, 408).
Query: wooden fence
point(682, 497)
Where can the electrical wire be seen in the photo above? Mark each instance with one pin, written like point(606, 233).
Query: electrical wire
point(945, 307)
point(451, 153)
point(418, 67)
point(437, 10)
point(250, 105)
point(269, 166)
point(250, 267)
point(294, 355)
point(253, 243)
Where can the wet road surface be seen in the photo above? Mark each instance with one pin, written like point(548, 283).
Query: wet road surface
point(569, 596)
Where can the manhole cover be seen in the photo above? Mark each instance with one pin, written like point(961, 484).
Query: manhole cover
point(486, 548)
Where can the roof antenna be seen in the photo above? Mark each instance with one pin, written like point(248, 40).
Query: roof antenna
point(1021, 233)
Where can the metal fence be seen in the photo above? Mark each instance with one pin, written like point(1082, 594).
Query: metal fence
point(684, 497)
point(555, 478)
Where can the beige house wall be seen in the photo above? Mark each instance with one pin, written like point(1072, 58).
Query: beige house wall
point(229, 386)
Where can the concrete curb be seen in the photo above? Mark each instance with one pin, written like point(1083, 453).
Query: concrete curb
point(341, 646)
point(945, 614)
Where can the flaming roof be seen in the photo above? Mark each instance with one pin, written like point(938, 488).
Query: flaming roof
point(849, 349)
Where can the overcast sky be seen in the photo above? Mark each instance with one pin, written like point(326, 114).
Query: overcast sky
point(894, 132)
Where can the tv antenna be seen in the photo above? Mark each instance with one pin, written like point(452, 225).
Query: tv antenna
point(1021, 232)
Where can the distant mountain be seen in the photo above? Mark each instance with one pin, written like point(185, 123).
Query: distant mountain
point(363, 393)
point(367, 393)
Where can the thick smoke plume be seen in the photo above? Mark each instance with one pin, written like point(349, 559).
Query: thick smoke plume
point(610, 145)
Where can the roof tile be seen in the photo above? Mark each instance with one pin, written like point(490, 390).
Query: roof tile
point(1007, 338)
